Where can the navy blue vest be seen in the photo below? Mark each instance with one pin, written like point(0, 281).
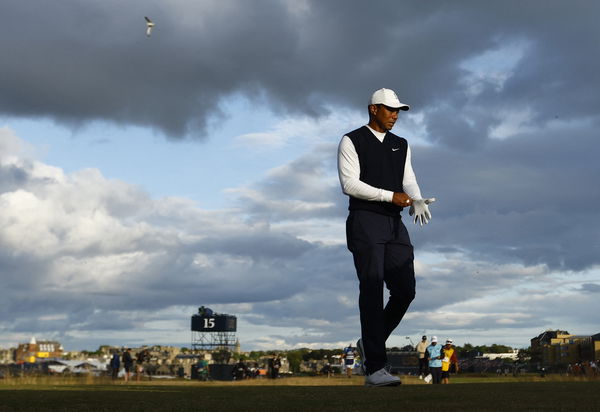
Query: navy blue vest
point(381, 166)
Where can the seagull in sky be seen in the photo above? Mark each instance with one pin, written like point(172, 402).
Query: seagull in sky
point(149, 25)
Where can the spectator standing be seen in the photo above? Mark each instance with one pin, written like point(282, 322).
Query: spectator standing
point(254, 371)
point(115, 365)
point(327, 369)
point(240, 370)
point(421, 348)
point(434, 355)
point(274, 365)
point(141, 358)
point(127, 363)
point(349, 355)
point(203, 374)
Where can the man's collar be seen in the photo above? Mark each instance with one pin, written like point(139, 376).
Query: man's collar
point(378, 135)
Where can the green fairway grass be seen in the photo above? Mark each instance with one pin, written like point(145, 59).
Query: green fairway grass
point(300, 394)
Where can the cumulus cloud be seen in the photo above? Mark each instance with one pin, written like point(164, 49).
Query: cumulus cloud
point(83, 255)
point(94, 61)
point(529, 197)
point(85, 247)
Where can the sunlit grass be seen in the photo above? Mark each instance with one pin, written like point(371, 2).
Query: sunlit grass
point(44, 380)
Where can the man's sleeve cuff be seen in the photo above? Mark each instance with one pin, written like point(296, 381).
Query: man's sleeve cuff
point(386, 196)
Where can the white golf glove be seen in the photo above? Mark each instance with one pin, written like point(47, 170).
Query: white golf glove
point(420, 210)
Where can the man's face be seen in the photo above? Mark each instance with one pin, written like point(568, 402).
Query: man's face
point(383, 116)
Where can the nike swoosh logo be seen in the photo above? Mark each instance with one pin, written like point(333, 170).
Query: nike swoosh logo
point(395, 149)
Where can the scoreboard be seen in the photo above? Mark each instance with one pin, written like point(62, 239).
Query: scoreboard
point(214, 323)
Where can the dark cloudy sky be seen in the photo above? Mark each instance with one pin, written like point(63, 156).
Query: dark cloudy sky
point(143, 177)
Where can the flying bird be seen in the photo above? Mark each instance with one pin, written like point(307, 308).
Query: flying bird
point(149, 25)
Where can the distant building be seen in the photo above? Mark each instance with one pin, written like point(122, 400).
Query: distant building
point(504, 355)
point(557, 347)
point(34, 351)
point(7, 356)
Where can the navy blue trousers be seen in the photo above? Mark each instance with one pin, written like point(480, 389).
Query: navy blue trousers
point(436, 374)
point(382, 255)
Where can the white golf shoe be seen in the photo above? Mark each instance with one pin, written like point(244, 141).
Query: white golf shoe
point(382, 378)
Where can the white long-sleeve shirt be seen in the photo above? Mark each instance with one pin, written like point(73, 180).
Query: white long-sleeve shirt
point(349, 174)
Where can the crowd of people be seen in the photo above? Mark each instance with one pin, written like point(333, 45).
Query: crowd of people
point(128, 362)
point(584, 369)
point(243, 370)
point(436, 362)
point(129, 365)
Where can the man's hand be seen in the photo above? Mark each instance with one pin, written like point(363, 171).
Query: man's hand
point(401, 199)
point(420, 210)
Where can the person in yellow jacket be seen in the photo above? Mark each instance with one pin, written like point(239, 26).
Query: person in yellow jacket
point(449, 358)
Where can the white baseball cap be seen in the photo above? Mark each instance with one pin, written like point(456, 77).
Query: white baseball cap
point(388, 97)
point(449, 340)
point(434, 339)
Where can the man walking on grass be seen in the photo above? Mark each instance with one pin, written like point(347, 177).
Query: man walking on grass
point(375, 171)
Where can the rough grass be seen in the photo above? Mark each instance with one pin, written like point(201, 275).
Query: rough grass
point(471, 393)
